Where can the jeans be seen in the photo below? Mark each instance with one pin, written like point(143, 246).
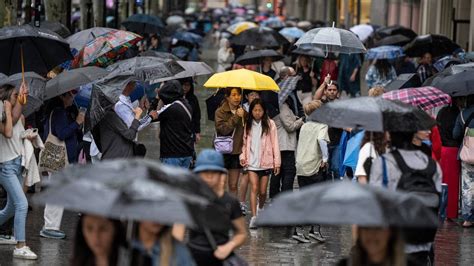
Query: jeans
point(284, 181)
point(334, 160)
point(183, 162)
point(17, 204)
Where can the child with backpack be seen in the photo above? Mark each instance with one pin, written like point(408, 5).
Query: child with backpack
point(260, 155)
point(409, 169)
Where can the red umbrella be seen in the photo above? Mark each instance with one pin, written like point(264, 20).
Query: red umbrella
point(425, 98)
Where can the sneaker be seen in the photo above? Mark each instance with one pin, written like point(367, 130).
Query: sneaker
point(7, 240)
point(259, 210)
point(300, 238)
point(53, 234)
point(317, 236)
point(244, 208)
point(24, 253)
point(253, 222)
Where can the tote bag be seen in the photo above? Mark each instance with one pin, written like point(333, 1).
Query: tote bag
point(54, 155)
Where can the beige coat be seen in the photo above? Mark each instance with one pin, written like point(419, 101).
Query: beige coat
point(287, 124)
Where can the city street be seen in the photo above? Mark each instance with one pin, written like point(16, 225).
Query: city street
point(266, 246)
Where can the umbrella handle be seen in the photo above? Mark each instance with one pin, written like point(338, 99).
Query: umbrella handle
point(22, 64)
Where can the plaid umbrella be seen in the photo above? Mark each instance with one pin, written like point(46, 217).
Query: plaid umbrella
point(287, 86)
point(384, 52)
point(105, 48)
point(425, 98)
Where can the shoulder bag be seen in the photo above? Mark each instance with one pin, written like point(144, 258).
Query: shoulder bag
point(54, 155)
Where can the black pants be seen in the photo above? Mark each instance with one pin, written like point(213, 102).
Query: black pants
point(304, 181)
point(420, 258)
point(205, 258)
point(284, 181)
point(7, 227)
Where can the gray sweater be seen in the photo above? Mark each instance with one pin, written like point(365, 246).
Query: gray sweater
point(116, 139)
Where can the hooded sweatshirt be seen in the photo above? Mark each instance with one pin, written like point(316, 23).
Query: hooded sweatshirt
point(175, 122)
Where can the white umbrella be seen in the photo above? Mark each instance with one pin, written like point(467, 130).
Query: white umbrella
point(363, 31)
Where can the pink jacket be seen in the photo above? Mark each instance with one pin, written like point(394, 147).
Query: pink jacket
point(270, 150)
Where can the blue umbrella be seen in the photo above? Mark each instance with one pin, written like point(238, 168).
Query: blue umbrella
point(384, 52)
point(189, 37)
point(273, 22)
point(292, 32)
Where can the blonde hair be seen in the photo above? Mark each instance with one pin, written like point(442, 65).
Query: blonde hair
point(376, 91)
point(311, 106)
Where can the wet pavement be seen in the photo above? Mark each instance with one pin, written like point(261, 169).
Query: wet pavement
point(266, 246)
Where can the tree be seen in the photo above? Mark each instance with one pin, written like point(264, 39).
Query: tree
point(98, 9)
point(56, 10)
point(8, 9)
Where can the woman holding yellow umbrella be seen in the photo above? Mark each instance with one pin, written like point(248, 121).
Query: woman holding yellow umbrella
point(230, 117)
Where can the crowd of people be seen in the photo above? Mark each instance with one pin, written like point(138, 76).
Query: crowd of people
point(266, 141)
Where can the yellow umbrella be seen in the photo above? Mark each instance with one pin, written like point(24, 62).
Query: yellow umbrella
point(242, 78)
point(239, 27)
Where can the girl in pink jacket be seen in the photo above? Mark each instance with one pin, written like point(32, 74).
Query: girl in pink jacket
point(260, 154)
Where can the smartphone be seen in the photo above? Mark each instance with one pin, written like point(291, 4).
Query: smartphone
point(82, 110)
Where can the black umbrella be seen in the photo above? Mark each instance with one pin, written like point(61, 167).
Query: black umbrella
point(437, 45)
point(37, 49)
point(54, 26)
point(309, 51)
point(395, 30)
point(342, 203)
point(256, 57)
point(35, 84)
point(162, 55)
point(134, 189)
point(397, 40)
point(404, 81)
point(72, 79)
point(98, 106)
point(144, 68)
point(191, 69)
point(452, 70)
point(143, 23)
point(460, 84)
point(259, 37)
point(373, 114)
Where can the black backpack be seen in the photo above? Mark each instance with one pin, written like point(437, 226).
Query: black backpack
point(420, 183)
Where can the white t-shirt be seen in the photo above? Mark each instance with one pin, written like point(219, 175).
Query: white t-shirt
point(11, 147)
point(368, 150)
point(255, 146)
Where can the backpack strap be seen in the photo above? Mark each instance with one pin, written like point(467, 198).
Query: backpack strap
point(384, 171)
point(468, 121)
point(404, 168)
point(185, 109)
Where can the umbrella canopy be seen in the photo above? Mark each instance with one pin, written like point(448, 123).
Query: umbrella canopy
point(287, 86)
point(143, 23)
point(260, 37)
point(35, 84)
point(188, 37)
point(309, 51)
point(292, 33)
point(273, 22)
point(331, 39)
point(175, 20)
point(80, 39)
point(395, 30)
point(437, 45)
point(373, 114)
point(363, 31)
point(460, 84)
point(41, 50)
point(425, 98)
point(55, 27)
point(239, 27)
point(191, 69)
point(384, 52)
point(104, 49)
point(397, 40)
point(256, 57)
point(342, 203)
point(144, 68)
point(69, 80)
point(132, 189)
point(162, 55)
point(404, 81)
point(455, 69)
point(242, 78)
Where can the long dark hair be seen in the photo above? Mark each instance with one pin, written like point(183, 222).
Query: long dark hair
point(265, 122)
point(383, 67)
point(378, 139)
point(6, 92)
point(83, 256)
point(402, 140)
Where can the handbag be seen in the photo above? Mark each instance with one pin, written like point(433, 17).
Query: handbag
point(467, 149)
point(224, 144)
point(233, 259)
point(54, 155)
